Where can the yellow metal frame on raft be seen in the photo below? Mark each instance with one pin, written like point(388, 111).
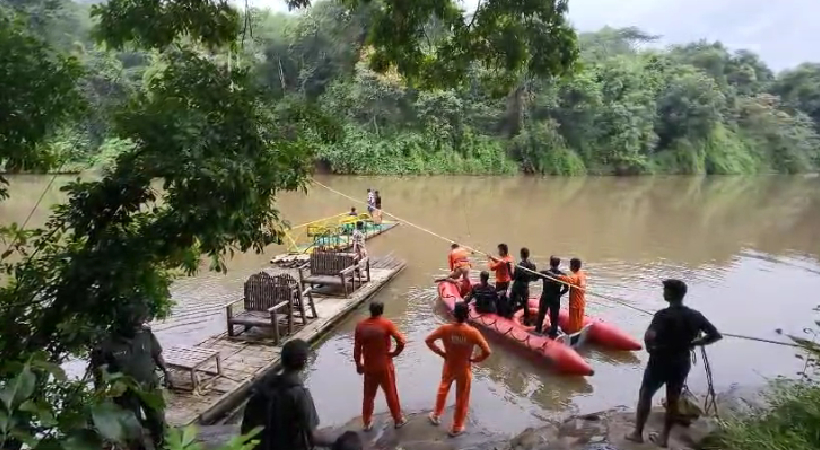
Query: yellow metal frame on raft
point(326, 227)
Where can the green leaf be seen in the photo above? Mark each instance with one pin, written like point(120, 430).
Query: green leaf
point(188, 435)
point(49, 444)
point(118, 388)
point(4, 422)
point(108, 421)
point(54, 369)
point(28, 406)
point(24, 437)
point(82, 440)
point(19, 389)
point(153, 399)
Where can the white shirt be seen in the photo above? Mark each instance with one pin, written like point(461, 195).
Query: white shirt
point(358, 240)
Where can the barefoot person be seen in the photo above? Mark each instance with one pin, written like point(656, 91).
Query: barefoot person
point(459, 339)
point(374, 360)
point(673, 333)
point(577, 280)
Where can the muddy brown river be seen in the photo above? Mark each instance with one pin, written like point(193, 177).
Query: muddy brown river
point(748, 247)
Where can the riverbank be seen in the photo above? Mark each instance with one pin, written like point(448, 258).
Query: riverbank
point(604, 430)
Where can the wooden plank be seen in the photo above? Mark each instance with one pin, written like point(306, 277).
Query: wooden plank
point(324, 279)
point(188, 357)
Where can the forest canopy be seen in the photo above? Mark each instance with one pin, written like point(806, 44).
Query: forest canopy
point(627, 108)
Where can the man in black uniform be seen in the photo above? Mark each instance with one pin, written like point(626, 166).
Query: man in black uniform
point(283, 407)
point(551, 297)
point(673, 333)
point(484, 294)
point(520, 293)
point(133, 350)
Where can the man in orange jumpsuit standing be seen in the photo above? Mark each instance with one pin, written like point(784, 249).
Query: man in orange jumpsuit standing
point(577, 280)
point(374, 360)
point(503, 267)
point(459, 338)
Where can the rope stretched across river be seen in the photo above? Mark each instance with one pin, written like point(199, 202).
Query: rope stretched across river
point(595, 294)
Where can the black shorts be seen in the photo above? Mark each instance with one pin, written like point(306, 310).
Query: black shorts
point(672, 373)
point(502, 285)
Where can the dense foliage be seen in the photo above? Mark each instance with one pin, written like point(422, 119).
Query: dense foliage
point(173, 104)
point(497, 106)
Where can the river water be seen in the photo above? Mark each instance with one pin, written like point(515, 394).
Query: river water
point(747, 247)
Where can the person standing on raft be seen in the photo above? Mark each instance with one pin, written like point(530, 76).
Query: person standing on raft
point(550, 298)
point(502, 266)
point(577, 281)
point(359, 241)
point(374, 360)
point(520, 293)
point(671, 336)
point(371, 202)
point(377, 214)
point(459, 263)
point(459, 339)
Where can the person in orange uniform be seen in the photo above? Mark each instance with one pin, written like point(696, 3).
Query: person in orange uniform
point(459, 339)
point(374, 360)
point(459, 263)
point(503, 267)
point(577, 279)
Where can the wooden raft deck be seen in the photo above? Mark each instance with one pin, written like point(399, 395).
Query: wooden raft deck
point(245, 359)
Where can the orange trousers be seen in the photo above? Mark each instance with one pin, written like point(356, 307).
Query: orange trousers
point(576, 318)
point(464, 380)
point(386, 379)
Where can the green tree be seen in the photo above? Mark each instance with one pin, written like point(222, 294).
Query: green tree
point(39, 95)
point(800, 89)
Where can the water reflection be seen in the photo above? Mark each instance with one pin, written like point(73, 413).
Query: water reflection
point(748, 248)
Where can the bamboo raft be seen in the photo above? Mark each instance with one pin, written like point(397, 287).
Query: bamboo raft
point(334, 232)
point(245, 359)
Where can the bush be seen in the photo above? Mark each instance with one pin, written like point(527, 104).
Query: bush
point(790, 422)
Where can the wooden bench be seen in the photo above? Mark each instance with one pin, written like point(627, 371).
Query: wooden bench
point(191, 359)
point(339, 269)
point(268, 299)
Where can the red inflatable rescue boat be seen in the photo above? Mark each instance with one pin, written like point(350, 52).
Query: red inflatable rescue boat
point(563, 358)
point(599, 332)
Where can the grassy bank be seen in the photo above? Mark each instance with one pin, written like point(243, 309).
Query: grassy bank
point(790, 421)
